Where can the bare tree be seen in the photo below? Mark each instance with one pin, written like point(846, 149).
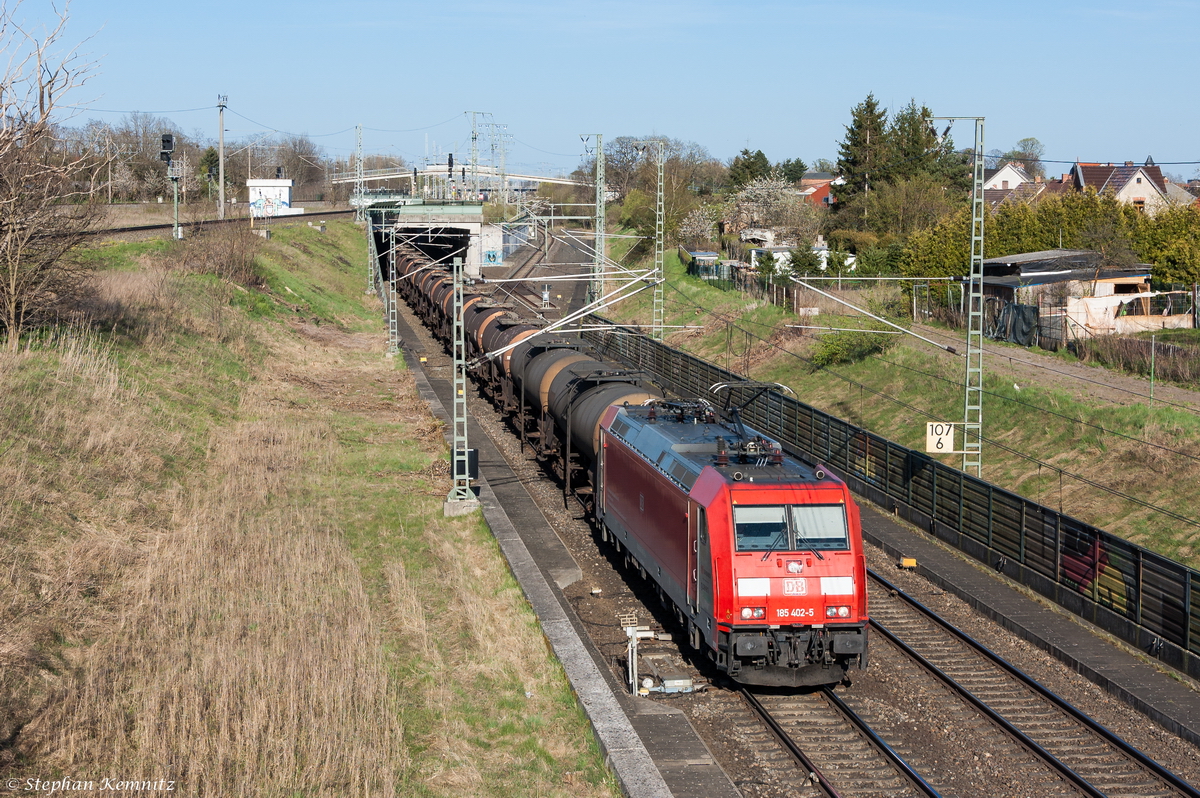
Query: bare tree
point(45, 194)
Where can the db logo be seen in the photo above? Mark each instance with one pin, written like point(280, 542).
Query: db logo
point(795, 587)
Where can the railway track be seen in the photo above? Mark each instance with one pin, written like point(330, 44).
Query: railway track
point(1046, 747)
point(1050, 747)
point(528, 294)
point(853, 746)
point(1089, 759)
point(150, 228)
point(838, 753)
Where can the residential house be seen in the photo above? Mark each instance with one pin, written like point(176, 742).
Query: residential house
point(1140, 185)
point(816, 188)
point(1180, 195)
point(1006, 177)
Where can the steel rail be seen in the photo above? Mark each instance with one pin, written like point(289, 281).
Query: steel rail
point(995, 717)
point(897, 761)
point(787, 742)
point(145, 228)
point(1134, 753)
point(874, 739)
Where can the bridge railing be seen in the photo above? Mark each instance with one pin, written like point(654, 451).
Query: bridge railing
point(1140, 596)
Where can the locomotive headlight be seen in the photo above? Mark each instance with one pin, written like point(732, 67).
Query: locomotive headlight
point(795, 566)
point(837, 612)
point(749, 613)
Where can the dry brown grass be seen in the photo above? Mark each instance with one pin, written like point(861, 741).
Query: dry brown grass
point(74, 451)
point(243, 583)
point(246, 659)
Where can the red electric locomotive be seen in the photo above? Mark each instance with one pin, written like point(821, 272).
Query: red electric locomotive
point(760, 554)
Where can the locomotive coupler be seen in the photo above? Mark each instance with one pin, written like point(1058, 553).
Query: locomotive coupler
point(818, 648)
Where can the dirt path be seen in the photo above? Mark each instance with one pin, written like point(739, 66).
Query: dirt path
point(1082, 381)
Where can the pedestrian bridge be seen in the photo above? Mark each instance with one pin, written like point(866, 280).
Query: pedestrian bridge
point(486, 174)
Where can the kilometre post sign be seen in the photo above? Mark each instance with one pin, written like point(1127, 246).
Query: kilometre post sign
point(939, 437)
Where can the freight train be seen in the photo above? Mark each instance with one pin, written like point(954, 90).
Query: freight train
point(759, 555)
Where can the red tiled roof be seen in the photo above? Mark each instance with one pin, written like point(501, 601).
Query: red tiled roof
point(1102, 177)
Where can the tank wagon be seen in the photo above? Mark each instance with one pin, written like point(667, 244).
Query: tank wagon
point(759, 555)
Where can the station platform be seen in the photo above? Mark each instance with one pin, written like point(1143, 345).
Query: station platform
point(653, 750)
point(1161, 696)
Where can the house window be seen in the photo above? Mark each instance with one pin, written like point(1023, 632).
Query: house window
point(1139, 181)
point(1140, 204)
point(1004, 183)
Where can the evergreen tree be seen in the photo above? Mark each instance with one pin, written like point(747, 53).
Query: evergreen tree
point(863, 152)
point(747, 167)
point(804, 260)
point(210, 158)
point(767, 263)
point(792, 170)
point(914, 151)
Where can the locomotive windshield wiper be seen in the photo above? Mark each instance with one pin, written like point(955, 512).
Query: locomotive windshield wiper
point(774, 544)
point(799, 539)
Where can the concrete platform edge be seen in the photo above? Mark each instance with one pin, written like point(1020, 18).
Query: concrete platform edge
point(624, 751)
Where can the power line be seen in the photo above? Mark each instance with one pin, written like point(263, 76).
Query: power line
point(1188, 408)
point(539, 149)
point(112, 111)
point(285, 132)
point(1047, 410)
point(413, 129)
point(1141, 502)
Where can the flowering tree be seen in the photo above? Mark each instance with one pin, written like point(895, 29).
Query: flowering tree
point(697, 226)
point(773, 202)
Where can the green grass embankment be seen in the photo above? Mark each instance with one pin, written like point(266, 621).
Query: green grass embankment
point(227, 563)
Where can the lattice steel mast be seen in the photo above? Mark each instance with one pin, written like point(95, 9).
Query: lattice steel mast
point(973, 398)
point(359, 209)
point(656, 324)
point(461, 491)
point(596, 285)
point(659, 221)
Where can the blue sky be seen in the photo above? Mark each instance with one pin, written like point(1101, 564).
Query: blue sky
point(1103, 81)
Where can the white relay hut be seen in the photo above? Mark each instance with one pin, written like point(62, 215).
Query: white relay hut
point(271, 198)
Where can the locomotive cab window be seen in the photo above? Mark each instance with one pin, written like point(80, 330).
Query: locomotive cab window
point(797, 527)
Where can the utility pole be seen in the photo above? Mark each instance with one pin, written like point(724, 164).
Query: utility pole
point(222, 99)
point(108, 156)
point(359, 212)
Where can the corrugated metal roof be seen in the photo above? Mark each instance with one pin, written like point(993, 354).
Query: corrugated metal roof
point(1029, 279)
point(1042, 255)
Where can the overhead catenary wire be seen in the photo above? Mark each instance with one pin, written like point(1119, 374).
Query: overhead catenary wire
point(1050, 369)
point(1046, 410)
point(1108, 385)
point(926, 414)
